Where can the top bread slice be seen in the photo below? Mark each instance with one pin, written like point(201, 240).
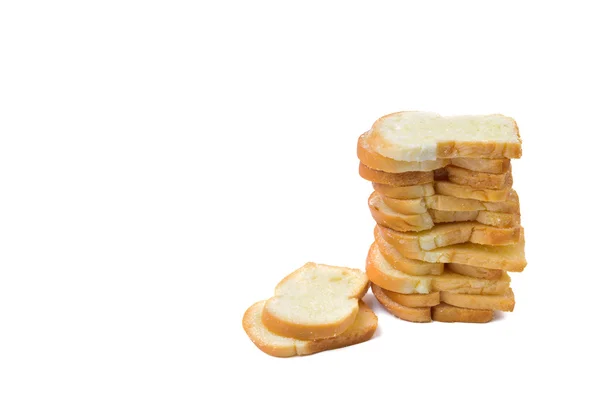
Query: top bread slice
point(361, 330)
point(422, 136)
point(316, 301)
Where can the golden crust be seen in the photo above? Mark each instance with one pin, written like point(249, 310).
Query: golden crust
point(475, 272)
point(415, 299)
point(400, 222)
point(479, 180)
point(492, 166)
point(412, 314)
point(410, 178)
point(466, 192)
point(404, 192)
point(446, 313)
point(500, 302)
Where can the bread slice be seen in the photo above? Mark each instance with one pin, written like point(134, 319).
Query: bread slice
point(507, 258)
point(467, 192)
point(361, 330)
point(414, 300)
point(376, 161)
point(406, 206)
point(404, 192)
point(446, 313)
point(451, 203)
point(385, 216)
point(401, 263)
point(314, 302)
point(421, 136)
point(401, 179)
point(479, 180)
point(475, 272)
point(448, 234)
point(412, 314)
point(492, 218)
point(501, 302)
point(492, 166)
point(382, 274)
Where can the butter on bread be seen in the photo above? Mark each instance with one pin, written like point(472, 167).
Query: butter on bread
point(316, 301)
point(362, 329)
point(422, 136)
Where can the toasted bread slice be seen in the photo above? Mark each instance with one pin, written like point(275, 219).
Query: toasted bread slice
point(492, 218)
point(507, 258)
point(467, 192)
point(475, 272)
point(449, 234)
point(446, 313)
point(376, 161)
point(401, 222)
point(479, 180)
point(451, 203)
point(412, 314)
point(404, 192)
point(421, 136)
point(401, 179)
point(314, 302)
point(382, 274)
point(361, 330)
point(401, 263)
point(501, 302)
point(415, 299)
point(492, 166)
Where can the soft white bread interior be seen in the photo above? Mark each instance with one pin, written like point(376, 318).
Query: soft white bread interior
point(446, 313)
point(382, 274)
point(314, 302)
point(362, 329)
point(376, 161)
point(422, 136)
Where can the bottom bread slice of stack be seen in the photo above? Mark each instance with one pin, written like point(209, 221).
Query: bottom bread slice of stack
point(316, 308)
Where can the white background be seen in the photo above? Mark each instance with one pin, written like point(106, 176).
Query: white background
point(164, 164)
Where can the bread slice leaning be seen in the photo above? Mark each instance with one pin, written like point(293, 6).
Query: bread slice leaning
point(361, 330)
point(316, 301)
point(422, 136)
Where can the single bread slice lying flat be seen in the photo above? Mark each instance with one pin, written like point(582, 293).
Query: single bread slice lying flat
point(422, 136)
point(446, 313)
point(404, 192)
point(385, 216)
point(507, 258)
point(480, 180)
point(467, 192)
point(361, 330)
point(382, 274)
point(449, 234)
point(412, 314)
point(501, 302)
point(316, 301)
point(475, 272)
point(401, 179)
point(491, 218)
point(376, 161)
point(492, 166)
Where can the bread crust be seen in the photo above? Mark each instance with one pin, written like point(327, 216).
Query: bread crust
point(475, 272)
point(466, 192)
point(491, 218)
point(446, 313)
point(492, 166)
point(414, 300)
point(479, 180)
point(404, 192)
point(412, 314)
point(500, 302)
point(410, 178)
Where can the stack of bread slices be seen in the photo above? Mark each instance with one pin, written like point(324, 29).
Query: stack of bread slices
point(318, 307)
point(448, 221)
